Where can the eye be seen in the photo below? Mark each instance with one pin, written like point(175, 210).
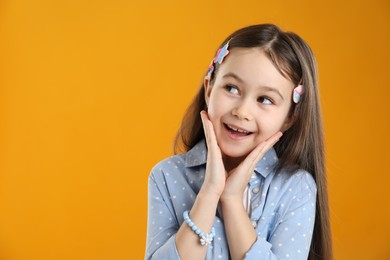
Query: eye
point(232, 89)
point(265, 100)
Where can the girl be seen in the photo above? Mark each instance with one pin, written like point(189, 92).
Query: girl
point(251, 183)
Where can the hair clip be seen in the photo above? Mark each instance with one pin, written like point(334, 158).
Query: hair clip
point(219, 57)
point(298, 91)
point(210, 69)
point(222, 53)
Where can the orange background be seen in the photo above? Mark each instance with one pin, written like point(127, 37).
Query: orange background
point(92, 93)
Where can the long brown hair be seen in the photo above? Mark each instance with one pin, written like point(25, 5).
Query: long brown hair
point(302, 145)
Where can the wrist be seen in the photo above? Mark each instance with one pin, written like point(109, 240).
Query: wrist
point(232, 199)
point(209, 193)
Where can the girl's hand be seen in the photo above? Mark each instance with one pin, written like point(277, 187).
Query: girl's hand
point(239, 177)
point(229, 185)
point(215, 169)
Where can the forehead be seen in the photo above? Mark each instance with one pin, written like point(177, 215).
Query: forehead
point(254, 67)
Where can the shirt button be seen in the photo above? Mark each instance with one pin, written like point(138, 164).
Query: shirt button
point(255, 190)
point(254, 223)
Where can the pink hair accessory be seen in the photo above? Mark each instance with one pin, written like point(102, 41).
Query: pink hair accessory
point(219, 57)
point(222, 53)
point(210, 68)
point(298, 91)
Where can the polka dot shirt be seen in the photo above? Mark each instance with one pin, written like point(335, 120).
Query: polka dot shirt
point(282, 208)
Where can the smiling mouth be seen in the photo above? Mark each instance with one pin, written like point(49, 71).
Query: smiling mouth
point(237, 131)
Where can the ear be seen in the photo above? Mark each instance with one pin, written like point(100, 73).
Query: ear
point(207, 89)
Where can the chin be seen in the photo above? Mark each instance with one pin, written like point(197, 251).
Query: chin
point(234, 153)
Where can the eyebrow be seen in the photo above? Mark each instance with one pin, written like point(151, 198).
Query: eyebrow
point(266, 88)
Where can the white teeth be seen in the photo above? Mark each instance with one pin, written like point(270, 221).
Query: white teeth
point(238, 130)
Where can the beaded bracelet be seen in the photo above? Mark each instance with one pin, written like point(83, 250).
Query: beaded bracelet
point(204, 239)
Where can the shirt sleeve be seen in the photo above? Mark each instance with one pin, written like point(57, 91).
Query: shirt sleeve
point(292, 234)
point(162, 224)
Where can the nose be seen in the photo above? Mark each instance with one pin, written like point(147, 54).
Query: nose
point(242, 110)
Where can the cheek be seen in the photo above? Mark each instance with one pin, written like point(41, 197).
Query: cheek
point(214, 116)
point(214, 108)
point(216, 112)
point(272, 123)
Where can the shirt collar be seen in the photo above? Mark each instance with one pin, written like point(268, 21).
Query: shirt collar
point(197, 156)
point(267, 164)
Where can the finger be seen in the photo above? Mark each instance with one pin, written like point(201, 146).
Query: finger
point(212, 143)
point(202, 116)
point(252, 159)
point(211, 133)
point(206, 127)
point(261, 150)
point(270, 142)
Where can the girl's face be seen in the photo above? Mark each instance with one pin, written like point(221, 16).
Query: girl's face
point(248, 102)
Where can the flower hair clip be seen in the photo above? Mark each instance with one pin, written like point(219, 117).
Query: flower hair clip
point(219, 57)
point(298, 91)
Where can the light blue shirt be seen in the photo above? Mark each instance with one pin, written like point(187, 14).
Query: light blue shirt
point(282, 208)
